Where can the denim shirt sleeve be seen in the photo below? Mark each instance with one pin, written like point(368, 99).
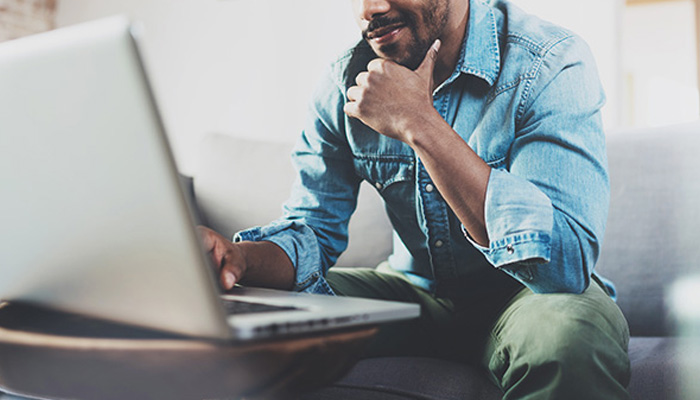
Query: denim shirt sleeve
point(546, 208)
point(314, 228)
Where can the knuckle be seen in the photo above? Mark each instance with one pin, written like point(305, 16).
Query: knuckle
point(372, 76)
point(352, 93)
point(357, 94)
point(350, 109)
point(361, 107)
point(377, 64)
point(361, 78)
point(386, 66)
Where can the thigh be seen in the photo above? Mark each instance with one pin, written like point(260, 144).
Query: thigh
point(417, 337)
point(559, 345)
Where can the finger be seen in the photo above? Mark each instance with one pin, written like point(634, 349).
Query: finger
point(215, 245)
point(228, 278)
point(205, 236)
point(354, 93)
point(218, 254)
point(351, 110)
point(362, 79)
point(378, 65)
point(231, 268)
point(427, 67)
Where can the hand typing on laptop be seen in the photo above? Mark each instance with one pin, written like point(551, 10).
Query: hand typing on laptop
point(254, 263)
point(150, 253)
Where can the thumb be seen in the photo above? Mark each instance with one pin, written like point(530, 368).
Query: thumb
point(428, 65)
point(205, 236)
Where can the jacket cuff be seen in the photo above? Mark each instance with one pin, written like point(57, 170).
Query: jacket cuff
point(519, 221)
point(294, 239)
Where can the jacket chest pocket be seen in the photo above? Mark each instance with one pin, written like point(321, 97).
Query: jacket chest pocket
point(386, 173)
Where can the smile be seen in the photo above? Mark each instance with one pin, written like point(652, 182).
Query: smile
point(385, 34)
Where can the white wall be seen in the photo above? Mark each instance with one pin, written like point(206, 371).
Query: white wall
point(597, 22)
point(659, 64)
point(238, 67)
point(248, 67)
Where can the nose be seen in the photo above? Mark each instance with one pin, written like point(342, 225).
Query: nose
point(369, 9)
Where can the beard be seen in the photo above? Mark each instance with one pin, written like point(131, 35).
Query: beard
point(434, 19)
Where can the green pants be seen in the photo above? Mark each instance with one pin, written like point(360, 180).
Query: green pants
point(533, 346)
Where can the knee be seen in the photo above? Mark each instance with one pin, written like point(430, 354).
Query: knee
point(565, 341)
point(555, 349)
point(568, 334)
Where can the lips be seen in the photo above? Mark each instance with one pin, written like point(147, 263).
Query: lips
point(385, 33)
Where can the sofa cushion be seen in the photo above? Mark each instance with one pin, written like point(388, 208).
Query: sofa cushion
point(240, 183)
point(410, 378)
point(655, 362)
point(651, 234)
point(654, 376)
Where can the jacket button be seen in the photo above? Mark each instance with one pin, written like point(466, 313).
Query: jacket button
point(439, 243)
point(429, 188)
point(378, 185)
point(510, 249)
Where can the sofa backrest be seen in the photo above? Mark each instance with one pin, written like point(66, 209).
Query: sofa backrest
point(652, 234)
point(650, 239)
point(240, 183)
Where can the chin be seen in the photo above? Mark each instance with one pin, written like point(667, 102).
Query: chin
point(410, 56)
point(393, 53)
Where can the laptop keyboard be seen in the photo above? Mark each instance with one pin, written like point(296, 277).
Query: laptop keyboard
point(246, 307)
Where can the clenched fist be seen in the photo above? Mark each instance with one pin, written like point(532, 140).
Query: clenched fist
point(391, 98)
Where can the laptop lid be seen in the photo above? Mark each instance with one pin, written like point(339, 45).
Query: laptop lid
point(94, 219)
point(90, 200)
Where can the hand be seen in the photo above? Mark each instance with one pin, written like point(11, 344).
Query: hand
point(391, 98)
point(227, 257)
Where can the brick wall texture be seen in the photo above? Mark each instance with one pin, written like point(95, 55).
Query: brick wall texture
point(24, 17)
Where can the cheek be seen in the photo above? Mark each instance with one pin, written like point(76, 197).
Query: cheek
point(419, 32)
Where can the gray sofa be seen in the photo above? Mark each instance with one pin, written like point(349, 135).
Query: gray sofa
point(651, 241)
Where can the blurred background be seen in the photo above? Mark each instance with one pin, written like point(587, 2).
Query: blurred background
point(247, 68)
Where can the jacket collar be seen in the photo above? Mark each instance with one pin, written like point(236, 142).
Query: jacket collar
point(480, 54)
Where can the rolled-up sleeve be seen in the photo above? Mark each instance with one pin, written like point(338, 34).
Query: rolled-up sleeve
point(546, 209)
point(519, 219)
point(314, 228)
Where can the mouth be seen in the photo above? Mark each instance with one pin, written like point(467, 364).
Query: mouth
point(385, 34)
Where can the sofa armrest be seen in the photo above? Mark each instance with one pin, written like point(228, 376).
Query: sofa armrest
point(651, 237)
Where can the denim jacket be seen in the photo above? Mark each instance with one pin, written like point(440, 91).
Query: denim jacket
point(526, 97)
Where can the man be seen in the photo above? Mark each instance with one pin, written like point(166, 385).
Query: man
point(480, 127)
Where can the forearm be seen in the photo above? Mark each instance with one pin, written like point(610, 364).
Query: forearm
point(398, 103)
point(267, 265)
point(457, 171)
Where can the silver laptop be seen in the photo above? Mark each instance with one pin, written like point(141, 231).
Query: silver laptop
point(94, 220)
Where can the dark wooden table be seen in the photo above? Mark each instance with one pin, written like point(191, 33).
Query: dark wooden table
point(58, 356)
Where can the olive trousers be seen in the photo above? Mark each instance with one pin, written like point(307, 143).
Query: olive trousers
point(533, 346)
